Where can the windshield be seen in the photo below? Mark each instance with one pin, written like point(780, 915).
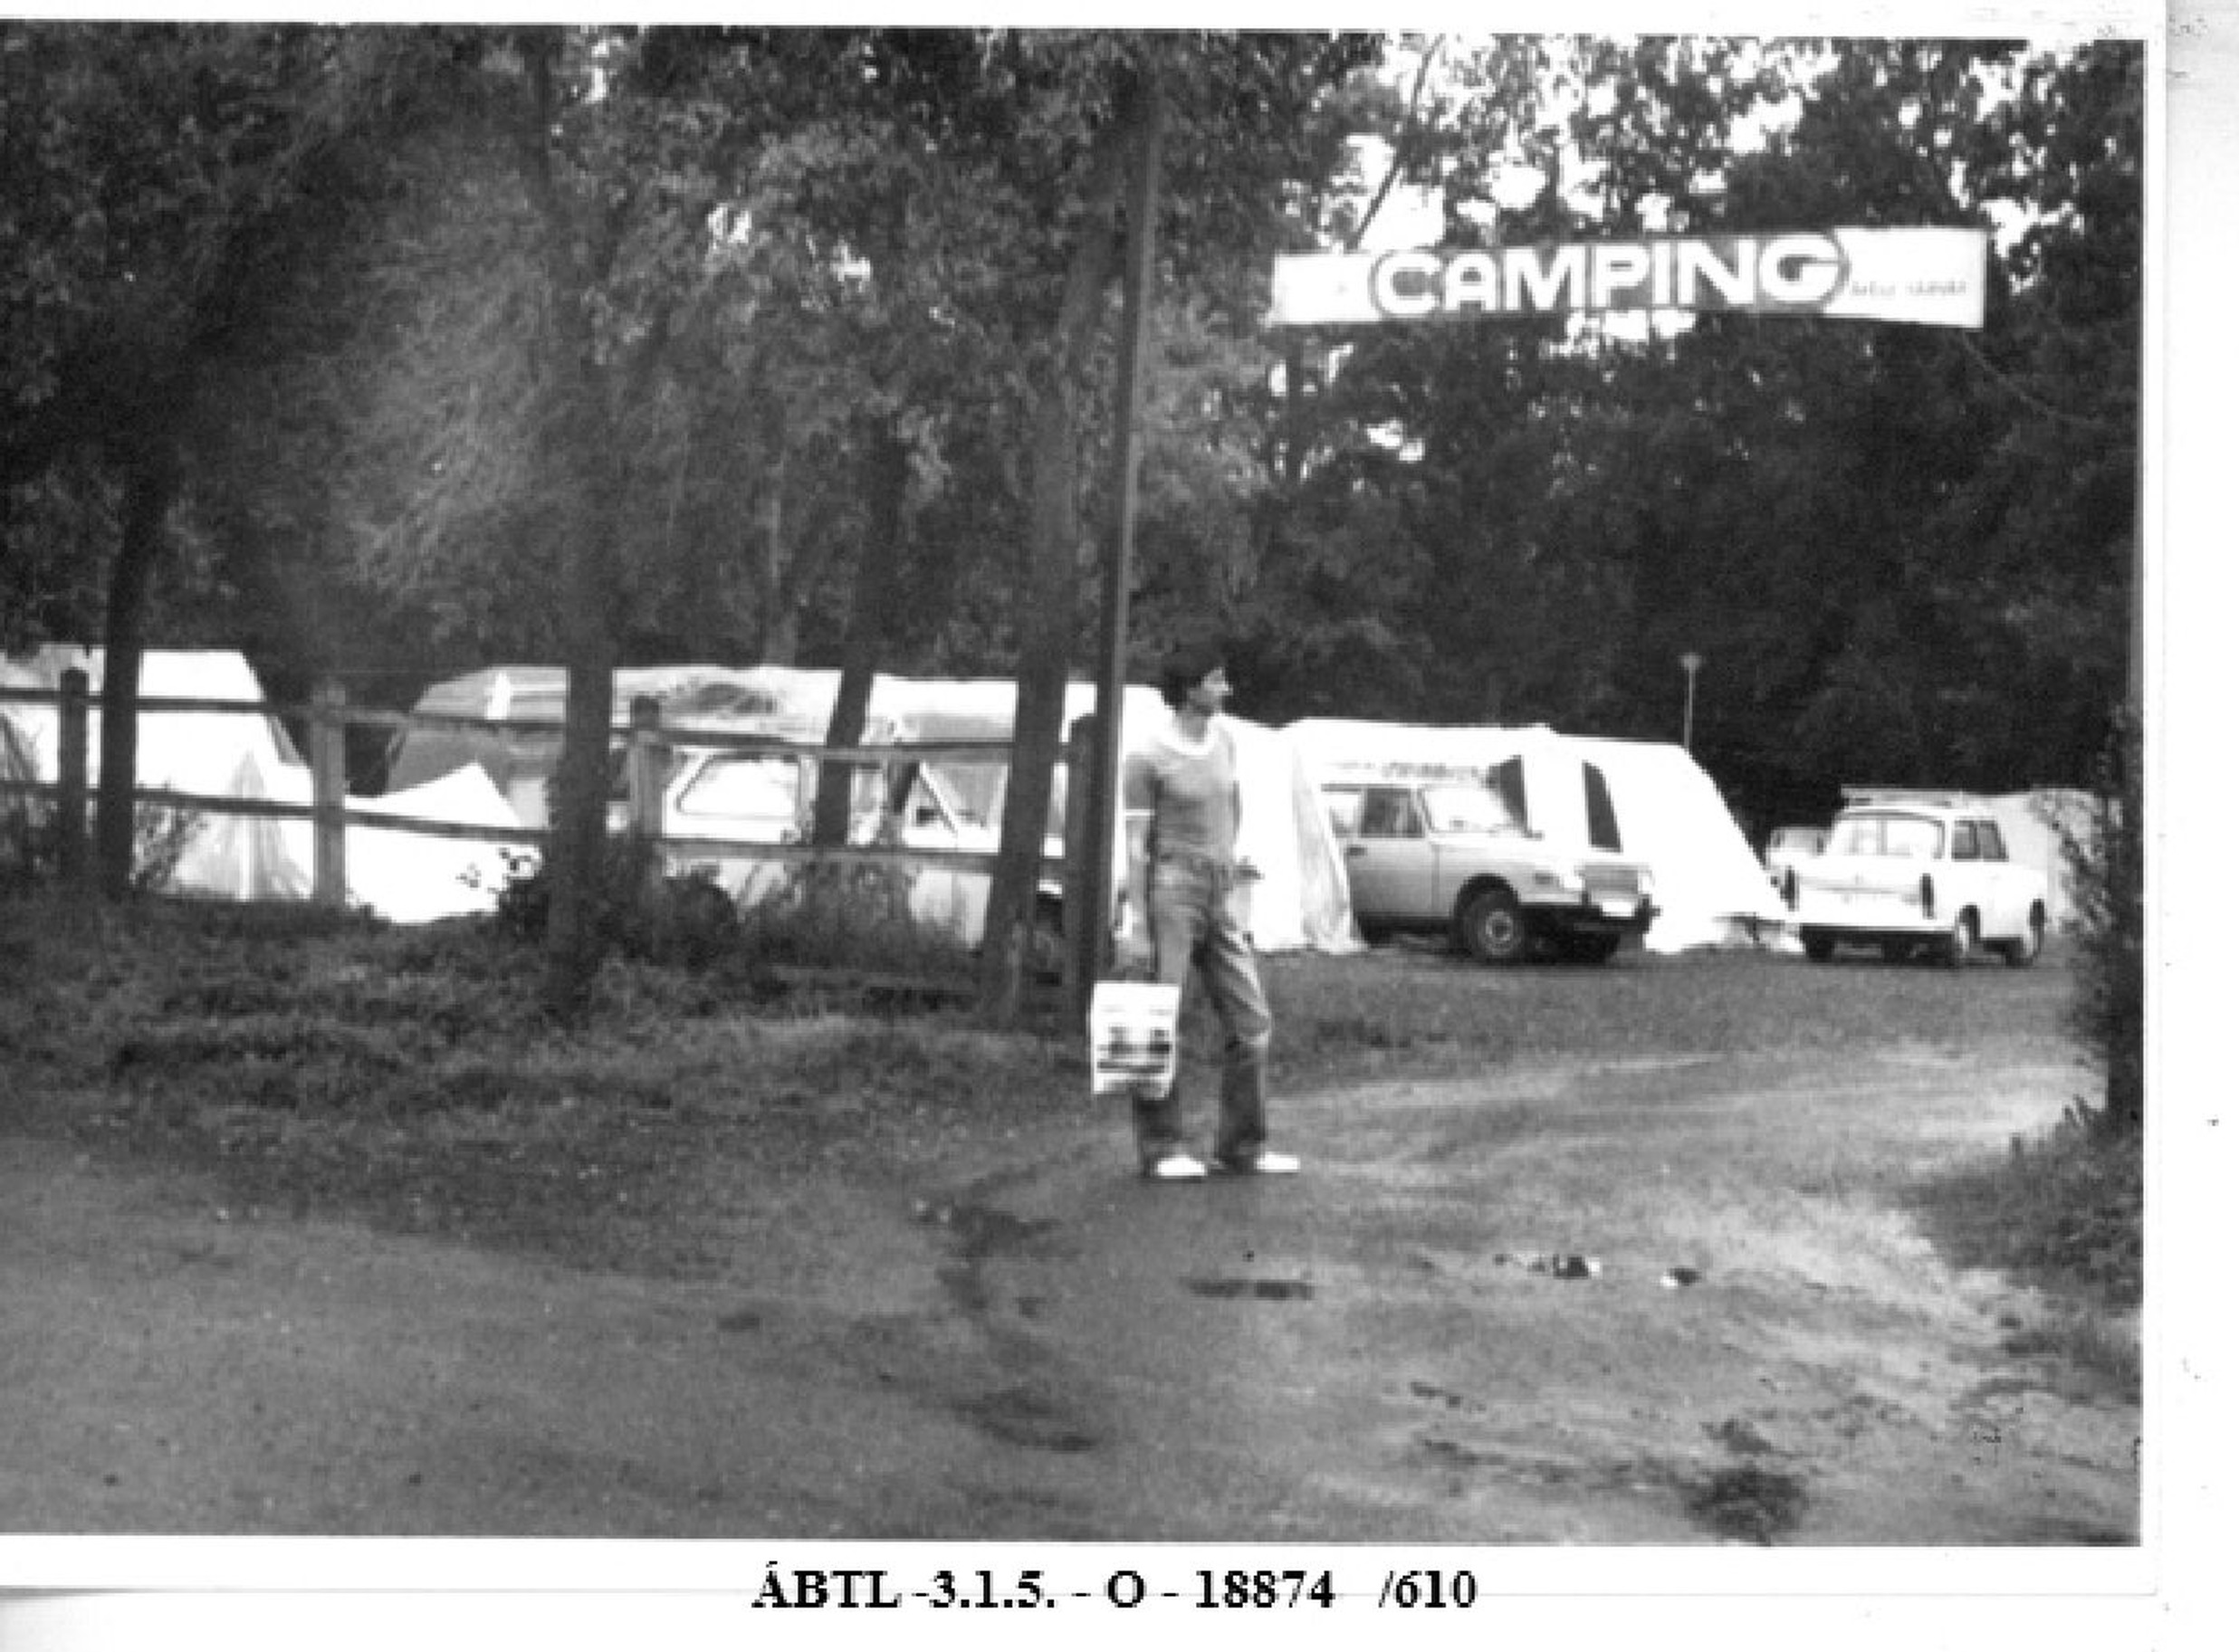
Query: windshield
point(1466, 808)
point(760, 788)
point(1894, 836)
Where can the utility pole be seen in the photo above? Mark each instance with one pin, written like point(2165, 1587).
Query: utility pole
point(1091, 935)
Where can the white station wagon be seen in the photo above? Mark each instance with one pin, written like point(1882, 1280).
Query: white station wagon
point(1919, 871)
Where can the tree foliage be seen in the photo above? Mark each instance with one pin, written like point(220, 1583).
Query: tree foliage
point(1903, 553)
point(163, 180)
point(408, 349)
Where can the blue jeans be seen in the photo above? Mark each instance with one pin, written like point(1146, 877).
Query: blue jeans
point(1193, 920)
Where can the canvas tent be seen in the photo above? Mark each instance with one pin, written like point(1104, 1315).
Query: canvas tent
point(2036, 823)
point(1645, 800)
point(19, 811)
point(17, 766)
point(219, 754)
point(247, 755)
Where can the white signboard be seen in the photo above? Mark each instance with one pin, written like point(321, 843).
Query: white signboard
point(1935, 277)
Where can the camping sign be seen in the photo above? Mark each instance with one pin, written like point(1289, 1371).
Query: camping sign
point(1935, 277)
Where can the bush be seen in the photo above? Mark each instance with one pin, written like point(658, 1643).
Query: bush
point(686, 921)
point(832, 916)
point(2065, 1209)
point(30, 844)
point(26, 847)
point(2107, 870)
point(841, 916)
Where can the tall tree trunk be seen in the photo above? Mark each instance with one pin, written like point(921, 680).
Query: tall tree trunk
point(152, 481)
point(870, 624)
point(574, 942)
point(1049, 579)
point(586, 466)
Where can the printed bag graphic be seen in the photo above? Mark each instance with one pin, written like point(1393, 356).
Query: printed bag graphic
point(1130, 1036)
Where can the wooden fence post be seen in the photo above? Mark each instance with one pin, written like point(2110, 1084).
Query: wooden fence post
point(328, 781)
point(70, 806)
point(647, 771)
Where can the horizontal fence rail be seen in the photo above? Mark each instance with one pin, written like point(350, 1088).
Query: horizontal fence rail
point(328, 812)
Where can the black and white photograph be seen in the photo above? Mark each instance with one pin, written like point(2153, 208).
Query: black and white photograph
point(1272, 824)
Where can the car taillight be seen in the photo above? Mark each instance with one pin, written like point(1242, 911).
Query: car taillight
point(1927, 896)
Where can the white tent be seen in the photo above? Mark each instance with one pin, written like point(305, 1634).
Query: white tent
point(216, 754)
point(2035, 825)
point(248, 755)
point(1710, 887)
point(409, 878)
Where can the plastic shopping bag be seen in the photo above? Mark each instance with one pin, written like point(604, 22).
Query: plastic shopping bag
point(1131, 1036)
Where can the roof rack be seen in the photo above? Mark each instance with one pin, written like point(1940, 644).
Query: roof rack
point(1942, 797)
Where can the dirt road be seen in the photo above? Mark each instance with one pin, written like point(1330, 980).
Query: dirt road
point(1768, 1347)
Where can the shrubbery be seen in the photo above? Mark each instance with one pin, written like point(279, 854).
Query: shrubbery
point(833, 916)
point(31, 847)
point(685, 921)
point(2108, 878)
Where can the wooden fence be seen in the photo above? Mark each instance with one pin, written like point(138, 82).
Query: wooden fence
point(649, 744)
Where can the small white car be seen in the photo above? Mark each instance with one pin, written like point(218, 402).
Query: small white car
point(1909, 873)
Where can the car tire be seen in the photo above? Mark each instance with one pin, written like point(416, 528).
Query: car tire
point(1959, 946)
point(2024, 950)
point(1493, 931)
point(1817, 947)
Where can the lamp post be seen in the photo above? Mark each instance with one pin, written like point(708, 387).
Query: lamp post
point(1690, 663)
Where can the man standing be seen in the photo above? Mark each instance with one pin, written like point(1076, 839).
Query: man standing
point(1183, 805)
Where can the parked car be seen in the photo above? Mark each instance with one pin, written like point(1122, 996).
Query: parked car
point(759, 796)
point(746, 797)
point(1447, 857)
point(1912, 873)
point(1788, 847)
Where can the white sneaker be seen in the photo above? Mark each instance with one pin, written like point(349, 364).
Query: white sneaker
point(1262, 1163)
point(1175, 1166)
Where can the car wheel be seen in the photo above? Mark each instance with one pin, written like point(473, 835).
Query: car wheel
point(2023, 952)
point(1493, 928)
point(1959, 946)
point(1817, 947)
